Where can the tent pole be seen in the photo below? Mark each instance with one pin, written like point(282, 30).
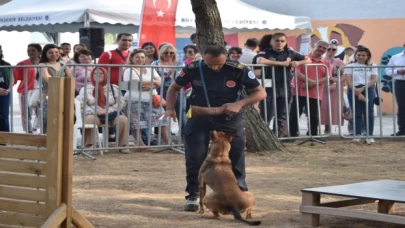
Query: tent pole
point(86, 20)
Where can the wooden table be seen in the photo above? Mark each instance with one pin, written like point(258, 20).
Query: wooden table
point(386, 192)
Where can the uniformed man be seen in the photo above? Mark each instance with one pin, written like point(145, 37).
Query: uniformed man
point(279, 56)
point(224, 80)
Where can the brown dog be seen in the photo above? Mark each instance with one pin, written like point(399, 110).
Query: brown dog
point(216, 172)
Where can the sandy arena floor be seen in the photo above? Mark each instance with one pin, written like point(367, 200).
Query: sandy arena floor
point(145, 189)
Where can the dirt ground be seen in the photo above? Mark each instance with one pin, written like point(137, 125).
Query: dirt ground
point(145, 189)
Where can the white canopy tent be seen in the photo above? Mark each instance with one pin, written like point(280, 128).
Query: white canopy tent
point(125, 15)
point(70, 15)
point(238, 16)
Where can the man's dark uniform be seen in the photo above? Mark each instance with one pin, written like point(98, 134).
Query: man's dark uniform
point(281, 95)
point(223, 87)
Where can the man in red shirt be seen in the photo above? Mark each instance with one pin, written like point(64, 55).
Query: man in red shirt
point(117, 56)
point(320, 48)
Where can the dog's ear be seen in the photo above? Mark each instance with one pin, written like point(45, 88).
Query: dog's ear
point(230, 135)
point(214, 135)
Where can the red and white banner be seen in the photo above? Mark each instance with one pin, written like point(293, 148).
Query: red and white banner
point(158, 22)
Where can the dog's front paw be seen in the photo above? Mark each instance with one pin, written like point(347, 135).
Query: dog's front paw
point(201, 211)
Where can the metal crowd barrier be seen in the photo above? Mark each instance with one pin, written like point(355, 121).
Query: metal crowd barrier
point(175, 141)
point(365, 135)
point(125, 87)
point(288, 89)
point(25, 111)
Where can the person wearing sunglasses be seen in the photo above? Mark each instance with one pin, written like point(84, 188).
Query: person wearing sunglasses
point(168, 59)
point(336, 65)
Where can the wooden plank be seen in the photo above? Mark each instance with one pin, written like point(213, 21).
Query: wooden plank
point(6, 226)
point(56, 218)
point(385, 207)
point(67, 166)
point(353, 214)
point(347, 203)
point(79, 220)
point(55, 143)
point(23, 139)
point(22, 207)
point(310, 199)
point(23, 180)
point(23, 153)
point(31, 194)
point(17, 219)
point(29, 167)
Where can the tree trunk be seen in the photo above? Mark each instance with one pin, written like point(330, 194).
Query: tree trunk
point(259, 137)
point(208, 23)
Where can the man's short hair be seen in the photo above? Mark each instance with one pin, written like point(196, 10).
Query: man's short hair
point(252, 42)
point(36, 46)
point(65, 44)
point(193, 36)
point(122, 34)
point(279, 34)
point(214, 50)
point(348, 49)
point(321, 43)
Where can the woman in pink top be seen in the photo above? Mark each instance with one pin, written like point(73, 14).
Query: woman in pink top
point(28, 76)
point(79, 72)
point(336, 65)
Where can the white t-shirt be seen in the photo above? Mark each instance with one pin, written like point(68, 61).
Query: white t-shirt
point(247, 56)
point(145, 95)
point(361, 76)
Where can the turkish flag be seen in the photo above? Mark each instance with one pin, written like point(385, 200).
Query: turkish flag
point(158, 22)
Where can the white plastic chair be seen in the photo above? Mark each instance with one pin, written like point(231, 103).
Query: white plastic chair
point(79, 124)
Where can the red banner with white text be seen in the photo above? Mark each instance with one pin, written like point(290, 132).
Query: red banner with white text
point(158, 22)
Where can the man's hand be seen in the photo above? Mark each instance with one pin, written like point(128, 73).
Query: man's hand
point(361, 97)
point(170, 113)
point(333, 79)
point(332, 87)
point(311, 83)
point(148, 88)
point(169, 73)
point(100, 111)
point(232, 108)
point(402, 71)
point(294, 64)
point(359, 90)
point(4, 92)
point(286, 63)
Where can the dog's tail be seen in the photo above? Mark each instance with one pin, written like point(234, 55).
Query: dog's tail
point(238, 217)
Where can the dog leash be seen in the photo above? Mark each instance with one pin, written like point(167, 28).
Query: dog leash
point(205, 88)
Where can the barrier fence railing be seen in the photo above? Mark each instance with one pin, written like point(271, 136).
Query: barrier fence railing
point(372, 91)
point(282, 98)
point(136, 103)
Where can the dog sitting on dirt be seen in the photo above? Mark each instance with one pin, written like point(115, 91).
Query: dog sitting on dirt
point(216, 172)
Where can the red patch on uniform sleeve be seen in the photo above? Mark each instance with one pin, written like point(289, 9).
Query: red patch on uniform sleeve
point(181, 73)
point(262, 52)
